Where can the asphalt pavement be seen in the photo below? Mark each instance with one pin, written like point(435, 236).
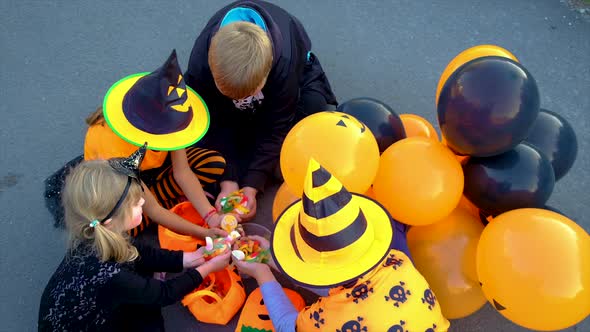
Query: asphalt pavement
point(58, 58)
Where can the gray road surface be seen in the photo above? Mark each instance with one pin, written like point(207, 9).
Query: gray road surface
point(58, 58)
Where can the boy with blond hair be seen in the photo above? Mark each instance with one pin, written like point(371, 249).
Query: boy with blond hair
point(253, 67)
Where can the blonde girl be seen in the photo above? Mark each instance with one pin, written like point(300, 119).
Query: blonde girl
point(104, 281)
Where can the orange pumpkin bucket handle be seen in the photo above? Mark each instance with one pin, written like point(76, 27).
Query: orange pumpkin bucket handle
point(217, 299)
point(190, 299)
point(211, 278)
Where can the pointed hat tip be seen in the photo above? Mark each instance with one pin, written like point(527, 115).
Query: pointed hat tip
point(312, 166)
point(317, 176)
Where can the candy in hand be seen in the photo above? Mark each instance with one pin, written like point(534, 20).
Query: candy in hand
point(219, 246)
point(229, 223)
point(238, 255)
point(252, 251)
point(236, 202)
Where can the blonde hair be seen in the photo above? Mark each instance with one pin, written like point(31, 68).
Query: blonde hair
point(240, 58)
point(96, 117)
point(91, 191)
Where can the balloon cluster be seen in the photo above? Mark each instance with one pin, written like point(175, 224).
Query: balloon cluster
point(497, 162)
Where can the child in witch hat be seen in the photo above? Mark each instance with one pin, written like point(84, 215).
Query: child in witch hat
point(101, 284)
point(253, 66)
point(337, 239)
point(158, 108)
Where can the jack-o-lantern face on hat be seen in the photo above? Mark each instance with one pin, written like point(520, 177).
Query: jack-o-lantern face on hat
point(157, 103)
point(156, 107)
point(176, 96)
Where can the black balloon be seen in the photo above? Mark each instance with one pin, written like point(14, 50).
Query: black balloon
point(384, 123)
point(554, 136)
point(519, 178)
point(487, 106)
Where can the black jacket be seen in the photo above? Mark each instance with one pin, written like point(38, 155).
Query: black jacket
point(85, 294)
point(252, 140)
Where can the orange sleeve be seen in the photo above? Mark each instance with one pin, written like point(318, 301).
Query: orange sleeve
point(102, 143)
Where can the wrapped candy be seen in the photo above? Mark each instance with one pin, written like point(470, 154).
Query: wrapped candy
point(220, 245)
point(236, 202)
point(252, 251)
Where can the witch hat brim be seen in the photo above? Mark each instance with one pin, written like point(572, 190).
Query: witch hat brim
point(113, 113)
point(156, 107)
point(331, 273)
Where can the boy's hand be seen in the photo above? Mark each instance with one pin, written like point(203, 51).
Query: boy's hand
point(227, 188)
point(251, 194)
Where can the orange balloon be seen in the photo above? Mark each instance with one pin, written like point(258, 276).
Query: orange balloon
point(534, 267)
point(468, 55)
point(283, 198)
point(419, 181)
point(371, 193)
point(417, 126)
point(339, 142)
point(444, 252)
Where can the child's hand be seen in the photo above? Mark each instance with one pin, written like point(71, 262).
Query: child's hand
point(215, 233)
point(227, 188)
point(240, 230)
point(216, 263)
point(263, 242)
point(193, 259)
point(259, 271)
point(214, 220)
point(250, 193)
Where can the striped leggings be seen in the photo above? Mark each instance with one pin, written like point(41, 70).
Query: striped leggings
point(208, 166)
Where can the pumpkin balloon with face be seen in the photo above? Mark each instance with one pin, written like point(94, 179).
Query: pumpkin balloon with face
point(254, 317)
point(383, 121)
point(534, 268)
point(339, 142)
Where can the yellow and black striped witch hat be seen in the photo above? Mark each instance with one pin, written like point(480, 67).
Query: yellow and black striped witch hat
point(330, 236)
